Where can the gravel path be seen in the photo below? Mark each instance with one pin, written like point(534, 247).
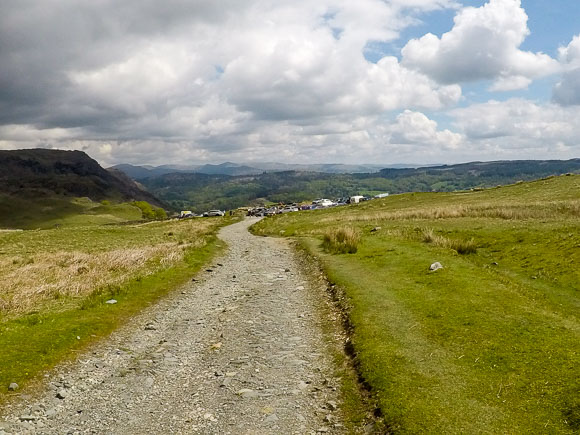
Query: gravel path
point(239, 351)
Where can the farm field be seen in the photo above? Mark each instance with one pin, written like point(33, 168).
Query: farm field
point(490, 343)
point(54, 283)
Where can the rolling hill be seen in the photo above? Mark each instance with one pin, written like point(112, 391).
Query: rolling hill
point(201, 191)
point(40, 185)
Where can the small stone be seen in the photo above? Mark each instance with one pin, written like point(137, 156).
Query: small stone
point(331, 404)
point(435, 266)
point(50, 413)
point(13, 386)
point(246, 393)
point(272, 418)
point(216, 346)
point(375, 229)
point(61, 394)
point(300, 288)
point(150, 327)
point(286, 270)
point(323, 430)
point(111, 301)
point(28, 418)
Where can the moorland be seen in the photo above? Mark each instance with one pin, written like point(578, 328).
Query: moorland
point(489, 343)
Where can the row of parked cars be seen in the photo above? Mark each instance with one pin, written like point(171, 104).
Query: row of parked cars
point(316, 204)
point(287, 208)
point(271, 211)
point(188, 214)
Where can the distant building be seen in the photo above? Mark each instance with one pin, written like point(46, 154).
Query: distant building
point(382, 195)
point(356, 199)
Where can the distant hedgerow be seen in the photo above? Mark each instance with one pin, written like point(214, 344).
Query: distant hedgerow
point(343, 240)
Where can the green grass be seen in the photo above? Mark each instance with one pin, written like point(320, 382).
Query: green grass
point(488, 344)
point(51, 212)
point(40, 331)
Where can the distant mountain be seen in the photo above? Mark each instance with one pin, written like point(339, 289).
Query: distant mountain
point(35, 173)
point(235, 169)
point(228, 168)
point(200, 192)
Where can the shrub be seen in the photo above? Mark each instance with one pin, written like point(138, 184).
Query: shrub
point(150, 212)
point(341, 240)
point(160, 213)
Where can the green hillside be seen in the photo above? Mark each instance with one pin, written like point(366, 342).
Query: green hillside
point(490, 343)
point(201, 192)
point(45, 188)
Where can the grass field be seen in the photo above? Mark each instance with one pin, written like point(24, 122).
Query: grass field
point(60, 211)
point(54, 283)
point(488, 344)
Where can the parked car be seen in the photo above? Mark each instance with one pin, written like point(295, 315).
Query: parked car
point(288, 209)
point(324, 203)
point(185, 214)
point(214, 213)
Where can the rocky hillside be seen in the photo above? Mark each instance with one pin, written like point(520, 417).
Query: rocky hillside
point(41, 172)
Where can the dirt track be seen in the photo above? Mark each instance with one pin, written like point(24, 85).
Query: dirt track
point(240, 351)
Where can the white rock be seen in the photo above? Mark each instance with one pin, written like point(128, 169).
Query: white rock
point(435, 266)
point(111, 301)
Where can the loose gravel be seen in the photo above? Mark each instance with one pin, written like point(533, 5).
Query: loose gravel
point(240, 350)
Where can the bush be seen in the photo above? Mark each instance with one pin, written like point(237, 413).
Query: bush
point(160, 213)
point(150, 212)
point(341, 241)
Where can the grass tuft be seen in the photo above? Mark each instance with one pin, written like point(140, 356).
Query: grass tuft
point(343, 240)
point(462, 247)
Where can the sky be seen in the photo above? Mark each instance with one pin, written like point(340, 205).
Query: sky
point(292, 81)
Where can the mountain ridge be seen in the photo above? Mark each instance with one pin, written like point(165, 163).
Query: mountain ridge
point(40, 172)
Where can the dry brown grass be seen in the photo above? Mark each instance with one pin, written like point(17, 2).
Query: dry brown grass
point(29, 281)
point(537, 210)
point(341, 240)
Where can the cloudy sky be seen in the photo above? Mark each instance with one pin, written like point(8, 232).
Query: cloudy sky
point(302, 81)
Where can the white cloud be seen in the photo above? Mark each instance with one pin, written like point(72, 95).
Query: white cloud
point(520, 127)
point(417, 129)
point(567, 91)
point(194, 80)
point(482, 45)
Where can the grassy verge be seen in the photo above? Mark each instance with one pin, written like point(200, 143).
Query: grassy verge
point(357, 406)
point(488, 344)
point(68, 274)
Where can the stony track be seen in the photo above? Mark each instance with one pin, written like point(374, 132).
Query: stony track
point(240, 350)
